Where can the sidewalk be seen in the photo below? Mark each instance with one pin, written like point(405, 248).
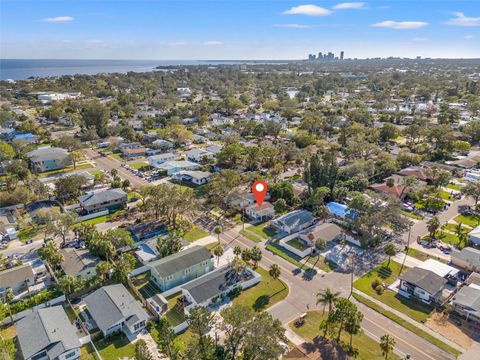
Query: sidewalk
point(411, 321)
point(409, 261)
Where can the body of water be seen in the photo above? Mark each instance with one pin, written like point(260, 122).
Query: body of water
point(18, 69)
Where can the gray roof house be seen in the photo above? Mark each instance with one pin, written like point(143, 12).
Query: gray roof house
point(179, 268)
point(110, 199)
point(422, 284)
point(466, 302)
point(294, 221)
point(49, 158)
point(468, 258)
point(79, 262)
point(16, 278)
point(48, 334)
point(114, 309)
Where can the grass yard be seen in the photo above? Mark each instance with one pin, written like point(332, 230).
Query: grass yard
point(195, 233)
point(251, 236)
point(181, 339)
point(29, 232)
point(368, 349)
point(145, 286)
point(96, 172)
point(102, 219)
point(8, 332)
point(321, 263)
point(141, 165)
point(388, 274)
point(87, 352)
point(115, 347)
point(445, 195)
point(263, 295)
point(447, 237)
point(472, 221)
point(116, 156)
point(453, 228)
point(406, 325)
point(66, 170)
point(420, 255)
point(262, 230)
point(297, 244)
point(173, 315)
point(411, 215)
point(452, 186)
point(285, 254)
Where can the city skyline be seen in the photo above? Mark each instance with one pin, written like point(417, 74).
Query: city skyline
point(196, 30)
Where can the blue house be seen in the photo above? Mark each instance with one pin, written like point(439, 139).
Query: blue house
point(25, 137)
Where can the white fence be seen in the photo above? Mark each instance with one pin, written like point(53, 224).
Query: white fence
point(283, 242)
point(179, 328)
point(92, 216)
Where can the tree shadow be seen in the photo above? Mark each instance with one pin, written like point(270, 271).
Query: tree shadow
point(384, 272)
point(261, 302)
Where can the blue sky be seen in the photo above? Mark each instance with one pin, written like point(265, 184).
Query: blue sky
point(237, 29)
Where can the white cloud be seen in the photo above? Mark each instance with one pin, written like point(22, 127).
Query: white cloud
point(350, 5)
point(400, 25)
point(213, 43)
point(293, 26)
point(469, 37)
point(59, 19)
point(419, 39)
point(462, 20)
point(177, 43)
point(310, 10)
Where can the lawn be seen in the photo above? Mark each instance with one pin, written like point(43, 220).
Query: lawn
point(251, 236)
point(173, 315)
point(368, 349)
point(115, 347)
point(116, 156)
point(263, 295)
point(406, 325)
point(447, 237)
point(296, 260)
point(472, 220)
point(388, 274)
point(297, 244)
point(181, 339)
point(445, 195)
point(96, 172)
point(453, 228)
point(195, 233)
point(66, 170)
point(29, 232)
point(145, 286)
point(457, 187)
point(262, 230)
point(411, 215)
point(420, 255)
point(8, 332)
point(102, 219)
point(87, 352)
point(321, 263)
point(140, 165)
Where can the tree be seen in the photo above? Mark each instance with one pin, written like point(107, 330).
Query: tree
point(201, 347)
point(49, 252)
point(274, 271)
point(283, 190)
point(218, 252)
point(125, 184)
point(263, 341)
point(472, 190)
point(387, 343)
point(390, 251)
point(103, 270)
point(236, 325)
point(75, 156)
point(280, 205)
point(255, 255)
point(122, 267)
point(6, 151)
point(353, 325)
point(237, 250)
point(70, 284)
point(327, 297)
point(165, 340)
point(432, 226)
point(217, 230)
point(170, 244)
point(95, 115)
point(64, 225)
point(69, 187)
point(141, 351)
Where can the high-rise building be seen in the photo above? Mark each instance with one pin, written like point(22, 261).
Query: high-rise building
point(320, 56)
point(341, 55)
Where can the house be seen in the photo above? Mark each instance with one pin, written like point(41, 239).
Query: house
point(79, 262)
point(397, 190)
point(466, 302)
point(206, 289)
point(262, 213)
point(114, 309)
point(146, 230)
point(214, 149)
point(423, 284)
point(294, 221)
point(193, 177)
point(156, 160)
point(172, 167)
point(179, 268)
point(24, 138)
point(416, 171)
point(110, 199)
point(325, 231)
point(47, 334)
point(199, 155)
point(474, 236)
point(16, 278)
point(163, 144)
point(132, 150)
point(49, 158)
point(468, 259)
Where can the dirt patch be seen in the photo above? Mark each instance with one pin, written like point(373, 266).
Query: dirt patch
point(441, 324)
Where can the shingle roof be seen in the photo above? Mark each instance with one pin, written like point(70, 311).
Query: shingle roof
point(111, 304)
point(468, 296)
point(325, 231)
point(296, 218)
point(75, 261)
point(212, 284)
point(169, 265)
point(468, 254)
point(15, 275)
point(101, 197)
point(424, 279)
point(47, 153)
point(46, 328)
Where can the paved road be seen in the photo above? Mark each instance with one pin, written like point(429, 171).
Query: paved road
point(108, 163)
point(302, 297)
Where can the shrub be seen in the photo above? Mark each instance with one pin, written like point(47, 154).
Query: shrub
point(379, 289)
point(320, 244)
point(375, 283)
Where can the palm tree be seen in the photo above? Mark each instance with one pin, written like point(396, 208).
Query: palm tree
point(323, 213)
point(432, 225)
point(387, 343)
point(218, 251)
point(237, 250)
point(274, 271)
point(218, 230)
point(390, 251)
point(327, 297)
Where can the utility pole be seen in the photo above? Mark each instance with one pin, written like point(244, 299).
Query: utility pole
point(406, 247)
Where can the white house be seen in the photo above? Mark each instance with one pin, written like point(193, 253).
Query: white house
point(294, 221)
point(194, 177)
point(155, 160)
point(262, 213)
point(199, 155)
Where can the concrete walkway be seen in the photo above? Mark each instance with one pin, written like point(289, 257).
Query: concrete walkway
point(409, 261)
point(411, 321)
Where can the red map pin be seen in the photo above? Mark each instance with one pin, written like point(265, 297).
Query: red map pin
point(259, 189)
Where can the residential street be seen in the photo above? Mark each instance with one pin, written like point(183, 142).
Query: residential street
point(302, 293)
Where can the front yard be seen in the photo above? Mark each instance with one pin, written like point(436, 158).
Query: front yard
point(115, 347)
point(195, 233)
point(388, 274)
point(263, 295)
point(368, 349)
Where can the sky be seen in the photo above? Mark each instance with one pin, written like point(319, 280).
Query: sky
point(237, 29)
